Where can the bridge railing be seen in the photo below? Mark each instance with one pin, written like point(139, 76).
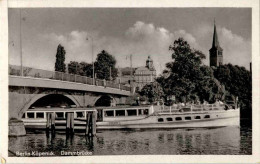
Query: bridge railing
point(39, 73)
point(126, 88)
point(112, 85)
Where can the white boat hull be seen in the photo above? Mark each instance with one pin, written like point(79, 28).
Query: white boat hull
point(162, 120)
point(191, 124)
point(217, 119)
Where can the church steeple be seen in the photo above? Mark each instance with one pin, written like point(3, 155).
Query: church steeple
point(215, 42)
point(216, 52)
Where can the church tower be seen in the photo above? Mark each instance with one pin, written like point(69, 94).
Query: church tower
point(149, 63)
point(216, 52)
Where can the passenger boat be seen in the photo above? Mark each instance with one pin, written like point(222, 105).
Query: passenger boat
point(132, 117)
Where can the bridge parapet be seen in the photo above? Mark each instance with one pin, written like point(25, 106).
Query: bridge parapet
point(54, 75)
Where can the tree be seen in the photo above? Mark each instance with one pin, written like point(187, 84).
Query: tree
point(82, 68)
point(187, 78)
point(86, 69)
point(60, 59)
point(103, 63)
point(152, 91)
point(184, 72)
point(73, 67)
point(238, 83)
point(209, 88)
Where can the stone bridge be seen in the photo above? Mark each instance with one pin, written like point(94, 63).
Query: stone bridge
point(38, 89)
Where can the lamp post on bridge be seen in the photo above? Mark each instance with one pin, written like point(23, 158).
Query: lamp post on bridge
point(21, 51)
point(92, 58)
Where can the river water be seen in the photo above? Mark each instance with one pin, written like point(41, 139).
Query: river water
point(225, 140)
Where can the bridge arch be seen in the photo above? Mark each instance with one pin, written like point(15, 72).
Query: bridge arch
point(39, 97)
point(105, 100)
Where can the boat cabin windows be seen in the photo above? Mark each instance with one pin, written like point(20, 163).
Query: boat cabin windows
point(188, 118)
point(120, 112)
point(80, 114)
point(30, 115)
point(146, 111)
point(59, 114)
point(197, 117)
point(109, 113)
point(125, 112)
point(178, 118)
point(160, 119)
point(143, 111)
point(207, 116)
point(169, 119)
point(40, 115)
point(23, 115)
point(140, 111)
point(131, 112)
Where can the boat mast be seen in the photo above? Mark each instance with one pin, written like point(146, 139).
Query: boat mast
point(131, 66)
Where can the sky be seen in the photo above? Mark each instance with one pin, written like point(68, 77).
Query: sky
point(125, 31)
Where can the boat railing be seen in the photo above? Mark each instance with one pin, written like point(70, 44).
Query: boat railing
point(191, 108)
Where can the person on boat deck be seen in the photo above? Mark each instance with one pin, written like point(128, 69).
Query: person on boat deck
point(179, 106)
point(192, 102)
point(175, 105)
point(113, 104)
point(220, 102)
point(205, 102)
point(182, 104)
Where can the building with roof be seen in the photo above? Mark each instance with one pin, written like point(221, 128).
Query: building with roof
point(145, 74)
point(125, 75)
point(216, 52)
point(137, 77)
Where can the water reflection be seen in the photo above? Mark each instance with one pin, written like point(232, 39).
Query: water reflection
point(227, 140)
point(246, 137)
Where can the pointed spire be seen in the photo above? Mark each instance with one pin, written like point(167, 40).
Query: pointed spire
point(215, 42)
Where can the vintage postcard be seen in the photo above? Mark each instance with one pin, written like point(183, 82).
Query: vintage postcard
point(129, 82)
